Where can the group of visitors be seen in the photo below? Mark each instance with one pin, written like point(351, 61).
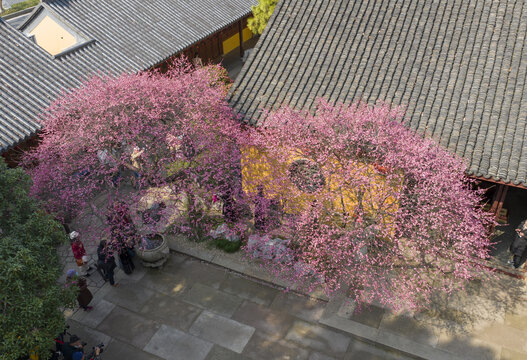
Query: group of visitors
point(106, 265)
point(74, 350)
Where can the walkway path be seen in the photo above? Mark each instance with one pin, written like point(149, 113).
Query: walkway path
point(206, 304)
point(223, 307)
point(193, 310)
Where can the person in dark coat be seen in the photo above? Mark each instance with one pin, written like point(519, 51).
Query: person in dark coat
point(122, 233)
point(519, 245)
point(85, 296)
point(109, 268)
point(101, 259)
point(127, 262)
point(106, 263)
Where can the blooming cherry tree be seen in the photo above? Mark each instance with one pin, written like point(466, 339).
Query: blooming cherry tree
point(369, 206)
point(170, 135)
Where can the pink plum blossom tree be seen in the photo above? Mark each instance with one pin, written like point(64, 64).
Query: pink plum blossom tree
point(170, 135)
point(369, 206)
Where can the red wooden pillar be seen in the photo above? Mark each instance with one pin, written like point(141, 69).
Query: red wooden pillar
point(501, 200)
point(497, 201)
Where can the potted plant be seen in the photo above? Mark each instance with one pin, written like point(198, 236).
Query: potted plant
point(153, 250)
point(151, 247)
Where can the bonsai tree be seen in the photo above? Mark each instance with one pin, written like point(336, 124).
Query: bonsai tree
point(171, 136)
point(369, 206)
point(31, 300)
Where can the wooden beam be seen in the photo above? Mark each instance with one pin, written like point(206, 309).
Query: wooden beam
point(497, 181)
point(496, 198)
point(501, 200)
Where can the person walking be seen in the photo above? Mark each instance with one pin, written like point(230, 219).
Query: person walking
point(101, 260)
point(519, 245)
point(79, 253)
point(85, 296)
point(107, 262)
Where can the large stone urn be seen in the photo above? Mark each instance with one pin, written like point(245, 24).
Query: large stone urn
point(153, 250)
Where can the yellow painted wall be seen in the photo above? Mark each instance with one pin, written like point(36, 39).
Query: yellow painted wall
point(234, 41)
point(52, 37)
point(258, 168)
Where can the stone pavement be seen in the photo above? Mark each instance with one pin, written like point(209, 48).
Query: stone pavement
point(194, 310)
point(205, 304)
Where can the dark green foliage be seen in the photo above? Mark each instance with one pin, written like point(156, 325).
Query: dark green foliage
point(226, 245)
point(20, 6)
point(31, 300)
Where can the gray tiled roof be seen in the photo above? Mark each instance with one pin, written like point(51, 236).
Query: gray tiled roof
point(130, 35)
point(459, 67)
point(29, 80)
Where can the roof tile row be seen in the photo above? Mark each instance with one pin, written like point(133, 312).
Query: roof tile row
point(130, 35)
point(458, 66)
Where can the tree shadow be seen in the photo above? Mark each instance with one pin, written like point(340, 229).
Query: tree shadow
point(474, 322)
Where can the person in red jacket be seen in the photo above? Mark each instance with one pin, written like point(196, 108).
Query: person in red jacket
point(79, 253)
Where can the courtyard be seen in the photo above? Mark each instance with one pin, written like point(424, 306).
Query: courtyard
point(206, 304)
point(193, 310)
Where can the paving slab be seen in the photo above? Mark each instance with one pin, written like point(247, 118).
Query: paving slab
point(165, 283)
point(517, 318)
point(169, 311)
point(194, 270)
point(249, 289)
point(300, 306)
point(212, 299)
point(136, 275)
point(117, 350)
point(319, 356)
point(128, 327)
point(273, 322)
point(449, 346)
point(410, 328)
point(89, 335)
point(222, 331)
point(230, 261)
point(359, 350)
point(181, 244)
point(264, 346)
point(474, 312)
point(129, 295)
point(174, 263)
point(368, 315)
point(94, 317)
point(318, 338)
point(170, 343)
point(502, 335)
point(100, 293)
point(351, 327)
point(220, 353)
point(509, 354)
